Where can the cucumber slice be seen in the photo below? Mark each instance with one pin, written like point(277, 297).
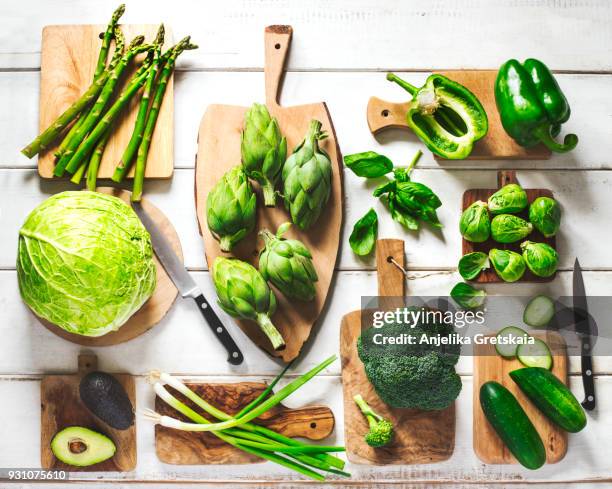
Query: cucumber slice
point(536, 354)
point(539, 311)
point(505, 346)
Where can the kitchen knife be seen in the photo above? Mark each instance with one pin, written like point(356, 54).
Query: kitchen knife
point(186, 285)
point(584, 331)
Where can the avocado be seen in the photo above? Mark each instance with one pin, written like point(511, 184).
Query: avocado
point(81, 447)
point(105, 397)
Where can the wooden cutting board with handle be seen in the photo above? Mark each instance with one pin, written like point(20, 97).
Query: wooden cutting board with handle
point(188, 448)
point(421, 437)
point(504, 177)
point(69, 54)
point(61, 407)
point(488, 365)
point(219, 150)
point(496, 145)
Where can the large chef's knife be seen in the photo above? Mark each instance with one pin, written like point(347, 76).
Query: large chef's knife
point(186, 285)
point(584, 330)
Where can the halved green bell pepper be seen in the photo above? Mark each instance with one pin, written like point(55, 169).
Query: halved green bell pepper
point(531, 105)
point(445, 115)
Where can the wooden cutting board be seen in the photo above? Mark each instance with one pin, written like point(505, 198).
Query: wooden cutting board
point(470, 196)
point(421, 437)
point(155, 308)
point(69, 54)
point(489, 366)
point(219, 150)
point(61, 407)
point(496, 145)
point(185, 448)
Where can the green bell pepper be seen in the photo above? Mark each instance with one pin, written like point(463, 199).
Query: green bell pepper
point(445, 115)
point(531, 105)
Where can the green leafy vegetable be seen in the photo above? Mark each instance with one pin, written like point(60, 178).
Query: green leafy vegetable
point(467, 296)
point(368, 164)
point(381, 429)
point(545, 215)
point(85, 262)
point(472, 264)
point(506, 228)
point(541, 258)
point(365, 230)
point(509, 199)
point(509, 265)
point(475, 224)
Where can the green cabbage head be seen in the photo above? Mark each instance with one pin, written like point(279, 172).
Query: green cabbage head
point(85, 262)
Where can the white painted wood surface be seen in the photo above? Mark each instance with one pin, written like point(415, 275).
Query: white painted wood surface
point(340, 52)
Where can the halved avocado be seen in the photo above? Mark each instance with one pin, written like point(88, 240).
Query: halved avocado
point(82, 447)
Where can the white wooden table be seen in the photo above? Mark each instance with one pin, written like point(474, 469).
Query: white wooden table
point(340, 52)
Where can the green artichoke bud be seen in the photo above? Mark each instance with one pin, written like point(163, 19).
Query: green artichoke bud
point(231, 208)
point(509, 265)
point(541, 259)
point(263, 150)
point(287, 263)
point(509, 199)
point(243, 293)
point(506, 228)
point(545, 214)
point(307, 179)
point(475, 224)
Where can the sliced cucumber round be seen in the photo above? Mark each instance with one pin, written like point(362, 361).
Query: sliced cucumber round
point(539, 311)
point(505, 345)
point(536, 354)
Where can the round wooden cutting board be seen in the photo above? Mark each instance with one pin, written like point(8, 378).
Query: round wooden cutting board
point(155, 308)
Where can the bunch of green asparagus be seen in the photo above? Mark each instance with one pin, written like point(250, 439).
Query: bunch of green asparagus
point(88, 123)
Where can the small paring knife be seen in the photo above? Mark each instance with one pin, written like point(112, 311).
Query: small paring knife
point(186, 285)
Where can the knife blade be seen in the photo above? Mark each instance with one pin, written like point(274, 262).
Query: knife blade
point(584, 331)
point(186, 285)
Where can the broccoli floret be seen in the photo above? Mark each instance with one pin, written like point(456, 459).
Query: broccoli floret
point(381, 429)
point(418, 376)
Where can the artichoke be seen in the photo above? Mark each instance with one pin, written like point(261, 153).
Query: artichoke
point(475, 224)
point(287, 263)
point(243, 293)
point(231, 208)
point(307, 179)
point(263, 150)
point(541, 258)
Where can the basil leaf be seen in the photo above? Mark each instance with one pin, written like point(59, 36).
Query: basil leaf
point(384, 188)
point(403, 217)
point(368, 164)
point(365, 231)
point(467, 296)
point(472, 264)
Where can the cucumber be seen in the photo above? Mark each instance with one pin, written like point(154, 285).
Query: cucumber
point(539, 311)
point(551, 396)
point(536, 354)
point(509, 420)
point(508, 350)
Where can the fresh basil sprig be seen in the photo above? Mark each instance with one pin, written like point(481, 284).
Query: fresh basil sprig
point(365, 231)
point(368, 164)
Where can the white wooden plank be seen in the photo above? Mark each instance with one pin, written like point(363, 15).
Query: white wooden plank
point(346, 94)
point(587, 459)
point(342, 34)
point(182, 343)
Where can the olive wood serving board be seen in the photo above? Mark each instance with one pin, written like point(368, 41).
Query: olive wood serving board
point(420, 437)
point(219, 150)
point(69, 54)
point(470, 196)
point(488, 365)
point(496, 145)
point(61, 407)
point(188, 448)
point(158, 304)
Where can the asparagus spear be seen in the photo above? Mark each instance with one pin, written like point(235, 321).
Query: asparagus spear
point(95, 160)
point(106, 40)
point(95, 113)
point(78, 175)
point(143, 149)
point(130, 151)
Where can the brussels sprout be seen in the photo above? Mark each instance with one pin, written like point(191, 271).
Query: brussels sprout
point(467, 296)
point(545, 214)
point(472, 264)
point(507, 228)
point(509, 265)
point(542, 259)
point(475, 224)
point(509, 199)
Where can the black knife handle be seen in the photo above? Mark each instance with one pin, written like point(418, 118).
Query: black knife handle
point(235, 355)
point(587, 376)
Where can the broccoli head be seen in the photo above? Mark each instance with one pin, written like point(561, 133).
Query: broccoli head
point(381, 429)
point(421, 375)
